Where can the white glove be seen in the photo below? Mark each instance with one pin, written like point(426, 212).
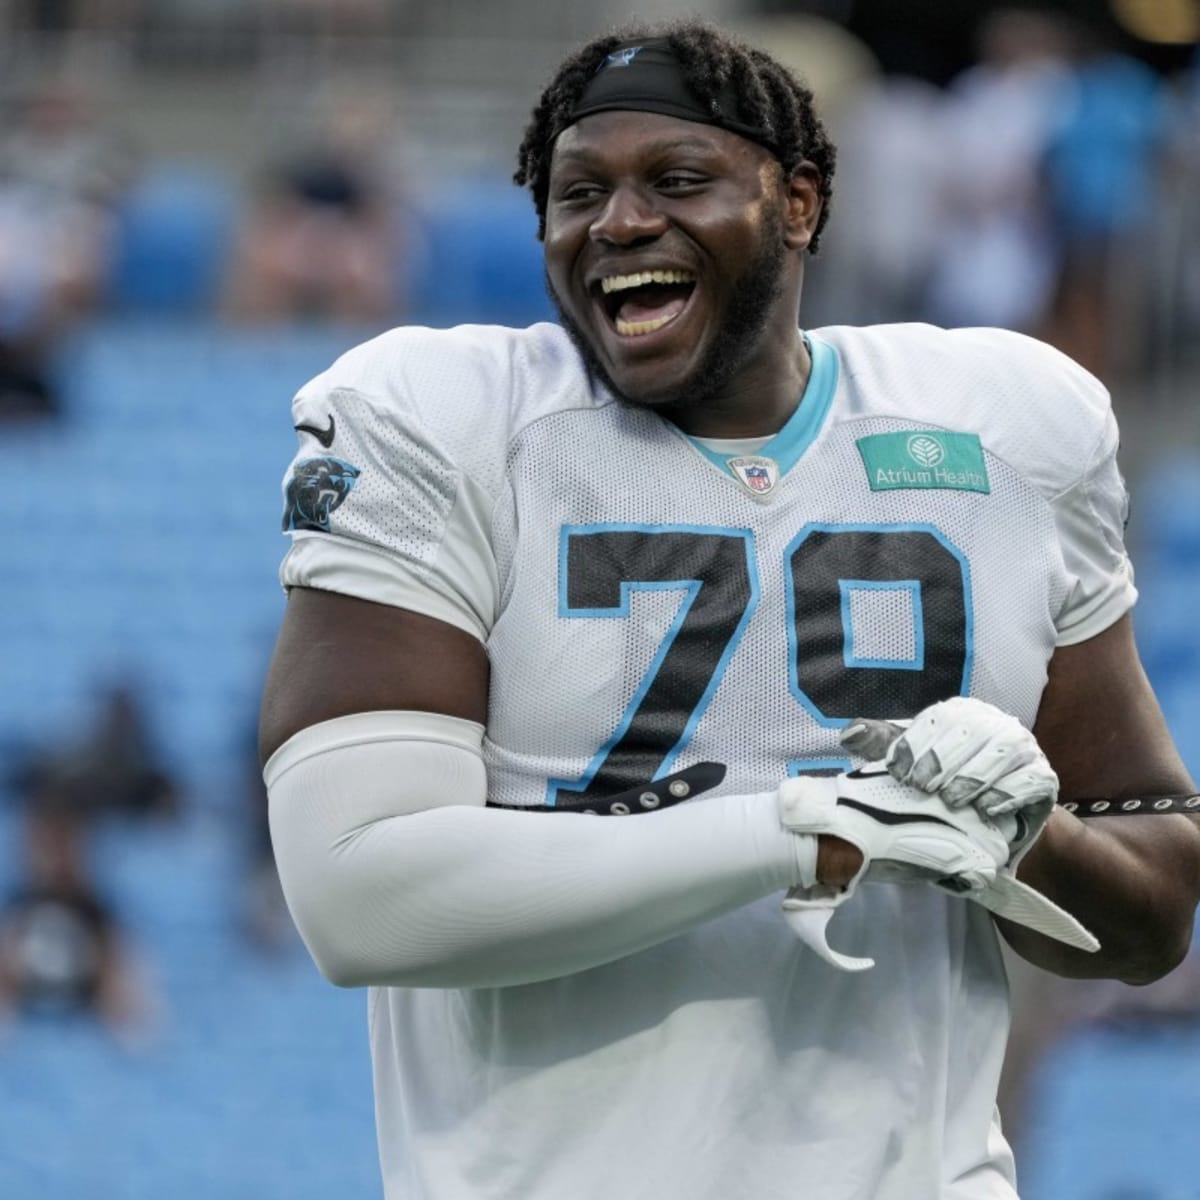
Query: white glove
point(907, 836)
point(968, 752)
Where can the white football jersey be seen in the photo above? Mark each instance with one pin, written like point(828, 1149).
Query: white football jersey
point(941, 512)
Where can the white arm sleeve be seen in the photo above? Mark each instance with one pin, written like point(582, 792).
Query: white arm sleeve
point(396, 873)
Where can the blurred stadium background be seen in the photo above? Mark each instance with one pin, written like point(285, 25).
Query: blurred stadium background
point(202, 202)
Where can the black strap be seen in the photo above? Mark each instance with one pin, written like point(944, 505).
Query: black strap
point(1134, 806)
point(659, 793)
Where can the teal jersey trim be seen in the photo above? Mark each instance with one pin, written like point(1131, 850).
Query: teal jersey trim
point(787, 447)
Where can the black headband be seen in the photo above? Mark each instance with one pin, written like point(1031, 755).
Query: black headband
point(647, 77)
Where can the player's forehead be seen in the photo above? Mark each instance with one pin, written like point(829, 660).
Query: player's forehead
point(619, 136)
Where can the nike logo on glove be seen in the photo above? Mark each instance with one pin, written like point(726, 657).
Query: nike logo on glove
point(887, 817)
point(324, 436)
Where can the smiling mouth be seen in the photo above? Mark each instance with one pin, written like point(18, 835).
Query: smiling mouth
point(645, 301)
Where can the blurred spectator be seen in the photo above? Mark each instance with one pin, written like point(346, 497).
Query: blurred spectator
point(995, 260)
point(835, 63)
point(26, 390)
point(881, 249)
point(114, 769)
point(60, 175)
point(61, 949)
point(855, 275)
point(293, 19)
point(1176, 226)
point(324, 236)
point(1102, 173)
point(58, 19)
point(62, 952)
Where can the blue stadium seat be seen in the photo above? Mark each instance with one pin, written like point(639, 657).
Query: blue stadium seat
point(1168, 634)
point(157, 506)
point(1112, 1117)
point(174, 237)
point(1166, 513)
point(144, 541)
point(480, 261)
point(258, 1083)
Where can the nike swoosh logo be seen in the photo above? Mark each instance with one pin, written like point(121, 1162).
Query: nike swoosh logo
point(859, 773)
point(886, 817)
point(324, 436)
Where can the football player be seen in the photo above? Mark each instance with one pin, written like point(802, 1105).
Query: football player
point(612, 635)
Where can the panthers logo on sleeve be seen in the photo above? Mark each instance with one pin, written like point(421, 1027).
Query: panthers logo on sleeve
point(315, 488)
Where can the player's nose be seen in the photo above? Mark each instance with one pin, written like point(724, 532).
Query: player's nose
point(630, 215)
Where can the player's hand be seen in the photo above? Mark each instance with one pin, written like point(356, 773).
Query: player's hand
point(904, 835)
point(967, 752)
point(907, 835)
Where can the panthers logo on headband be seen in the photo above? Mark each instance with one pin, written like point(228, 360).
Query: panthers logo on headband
point(316, 487)
point(622, 58)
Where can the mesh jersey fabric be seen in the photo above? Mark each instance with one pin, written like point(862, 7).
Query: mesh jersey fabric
point(642, 611)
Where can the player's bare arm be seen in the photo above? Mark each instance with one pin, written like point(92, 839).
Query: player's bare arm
point(338, 655)
point(1133, 880)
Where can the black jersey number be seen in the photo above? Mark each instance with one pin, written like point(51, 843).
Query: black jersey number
point(833, 572)
point(916, 585)
point(599, 568)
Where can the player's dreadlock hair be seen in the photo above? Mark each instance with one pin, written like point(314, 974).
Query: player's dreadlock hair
point(770, 97)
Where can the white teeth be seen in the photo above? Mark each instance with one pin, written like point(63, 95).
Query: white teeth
point(634, 328)
point(620, 283)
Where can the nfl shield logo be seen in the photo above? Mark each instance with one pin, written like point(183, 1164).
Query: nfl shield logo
point(756, 473)
point(757, 478)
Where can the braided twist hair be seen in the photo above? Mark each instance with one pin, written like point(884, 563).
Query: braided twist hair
point(770, 97)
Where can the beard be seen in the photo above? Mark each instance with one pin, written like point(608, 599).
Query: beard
point(755, 291)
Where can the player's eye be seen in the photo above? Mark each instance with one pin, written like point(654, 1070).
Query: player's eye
point(578, 193)
point(679, 181)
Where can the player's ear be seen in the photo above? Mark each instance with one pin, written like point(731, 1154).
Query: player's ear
point(803, 203)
